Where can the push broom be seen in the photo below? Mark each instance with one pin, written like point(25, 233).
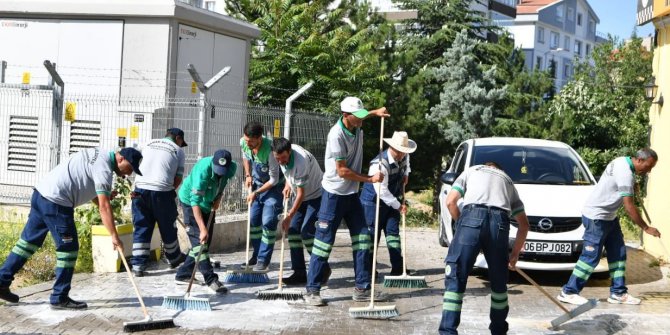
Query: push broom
point(280, 293)
point(569, 314)
point(148, 323)
point(404, 280)
point(186, 302)
point(246, 275)
point(372, 311)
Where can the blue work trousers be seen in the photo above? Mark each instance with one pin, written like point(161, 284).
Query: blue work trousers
point(46, 216)
point(148, 208)
point(599, 234)
point(479, 228)
point(333, 209)
point(389, 222)
point(301, 233)
point(264, 217)
point(204, 265)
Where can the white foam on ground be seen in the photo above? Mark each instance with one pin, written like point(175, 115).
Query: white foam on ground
point(43, 314)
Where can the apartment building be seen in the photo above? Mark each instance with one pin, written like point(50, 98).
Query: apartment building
point(555, 33)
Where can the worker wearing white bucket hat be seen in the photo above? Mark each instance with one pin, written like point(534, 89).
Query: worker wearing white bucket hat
point(395, 168)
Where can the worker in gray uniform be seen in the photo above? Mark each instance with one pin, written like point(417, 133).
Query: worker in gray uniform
point(86, 175)
point(489, 200)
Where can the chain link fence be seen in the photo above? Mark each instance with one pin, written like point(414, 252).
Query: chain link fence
point(39, 129)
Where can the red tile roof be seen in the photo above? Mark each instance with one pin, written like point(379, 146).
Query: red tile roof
point(532, 6)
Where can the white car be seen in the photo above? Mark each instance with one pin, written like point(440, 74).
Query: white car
point(553, 183)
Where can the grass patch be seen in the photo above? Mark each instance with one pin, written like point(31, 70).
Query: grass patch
point(41, 266)
point(420, 219)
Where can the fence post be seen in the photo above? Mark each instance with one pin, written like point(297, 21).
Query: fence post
point(204, 87)
point(58, 86)
point(3, 67)
point(287, 110)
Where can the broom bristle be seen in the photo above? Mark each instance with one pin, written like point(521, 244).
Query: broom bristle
point(181, 303)
point(137, 326)
point(277, 294)
point(374, 312)
point(245, 276)
point(405, 282)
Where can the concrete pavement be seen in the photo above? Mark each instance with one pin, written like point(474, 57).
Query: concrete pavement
point(112, 301)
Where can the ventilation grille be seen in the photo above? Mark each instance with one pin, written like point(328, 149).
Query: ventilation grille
point(84, 134)
point(22, 149)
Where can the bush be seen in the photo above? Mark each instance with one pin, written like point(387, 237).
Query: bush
point(420, 218)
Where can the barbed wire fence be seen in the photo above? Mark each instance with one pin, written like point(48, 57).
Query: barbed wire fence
point(42, 126)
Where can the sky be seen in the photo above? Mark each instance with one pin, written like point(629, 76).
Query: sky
point(617, 17)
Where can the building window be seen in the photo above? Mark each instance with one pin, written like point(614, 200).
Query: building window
point(566, 71)
point(592, 26)
point(540, 35)
point(210, 5)
point(559, 13)
point(538, 63)
point(566, 43)
point(571, 13)
point(578, 48)
point(555, 40)
point(579, 19)
point(588, 50)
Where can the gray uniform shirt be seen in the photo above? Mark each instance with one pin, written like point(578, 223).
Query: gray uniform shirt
point(342, 145)
point(303, 171)
point(163, 160)
point(485, 185)
point(79, 179)
point(617, 181)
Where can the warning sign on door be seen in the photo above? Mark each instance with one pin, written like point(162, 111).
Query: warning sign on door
point(70, 111)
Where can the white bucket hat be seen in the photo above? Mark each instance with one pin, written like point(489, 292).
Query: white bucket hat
point(401, 142)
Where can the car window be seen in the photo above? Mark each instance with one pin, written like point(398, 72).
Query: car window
point(462, 155)
point(535, 165)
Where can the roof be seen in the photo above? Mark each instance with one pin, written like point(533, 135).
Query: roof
point(532, 6)
point(102, 9)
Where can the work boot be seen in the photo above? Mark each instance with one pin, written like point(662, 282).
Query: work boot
point(217, 288)
point(68, 303)
point(252, 262)
point(180, 259)
point(259, 267)
point(138, 273)
point(314, 299)
point(7, 295)
point(364, 295)
point(297, 278)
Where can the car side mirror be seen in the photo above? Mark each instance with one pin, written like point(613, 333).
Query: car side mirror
point(448, 178)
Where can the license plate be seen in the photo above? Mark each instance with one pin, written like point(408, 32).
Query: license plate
point(542, 247)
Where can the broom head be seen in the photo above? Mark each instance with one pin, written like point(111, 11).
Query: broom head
point(245, 275)
point(147, 324)
point(181, 303)
point(374, 312)
point(280, 294)
point(573, 313)
point(405, 281)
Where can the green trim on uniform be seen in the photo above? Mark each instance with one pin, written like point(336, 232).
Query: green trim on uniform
point(255, 232)
point(17, 250)
point(625, 194)
point(582, 270)
point(360, 242)
point(517, 211)
point(291, 161)
point(321, 249)
point(452, 301)
point(66, 259)
point(295, 241)
point(617, 265)
point(268, 237)
point(460, 190)
point(630, 163)
point(26, 246)
point(308, 243)
point(617, 273)
point(393, 242)
point(112, 160)
point(346, 131)
point(499, 300)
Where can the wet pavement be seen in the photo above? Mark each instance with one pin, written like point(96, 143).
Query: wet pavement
point(112, 301)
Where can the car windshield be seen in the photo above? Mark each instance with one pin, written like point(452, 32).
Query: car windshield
point(535, 165)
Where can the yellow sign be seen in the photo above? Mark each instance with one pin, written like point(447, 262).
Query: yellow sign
point(26, 78)
point(276, 128)
point(70, 111)
point(134, 132)
point(194, 87)
point(121, 132)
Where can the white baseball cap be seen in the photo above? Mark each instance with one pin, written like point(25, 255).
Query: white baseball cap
point(354, 106)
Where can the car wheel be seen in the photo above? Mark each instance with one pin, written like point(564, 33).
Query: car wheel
point(444, 241)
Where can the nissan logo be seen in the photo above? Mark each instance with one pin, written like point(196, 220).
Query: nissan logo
point(545, 224)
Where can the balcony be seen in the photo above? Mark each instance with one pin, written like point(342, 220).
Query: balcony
point(505, 7)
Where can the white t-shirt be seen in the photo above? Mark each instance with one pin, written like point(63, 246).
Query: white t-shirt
point(79, 179)
point(616, 182)
point(163, 160)
point(486, 185)
point(303, 171)
point(342, 145)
